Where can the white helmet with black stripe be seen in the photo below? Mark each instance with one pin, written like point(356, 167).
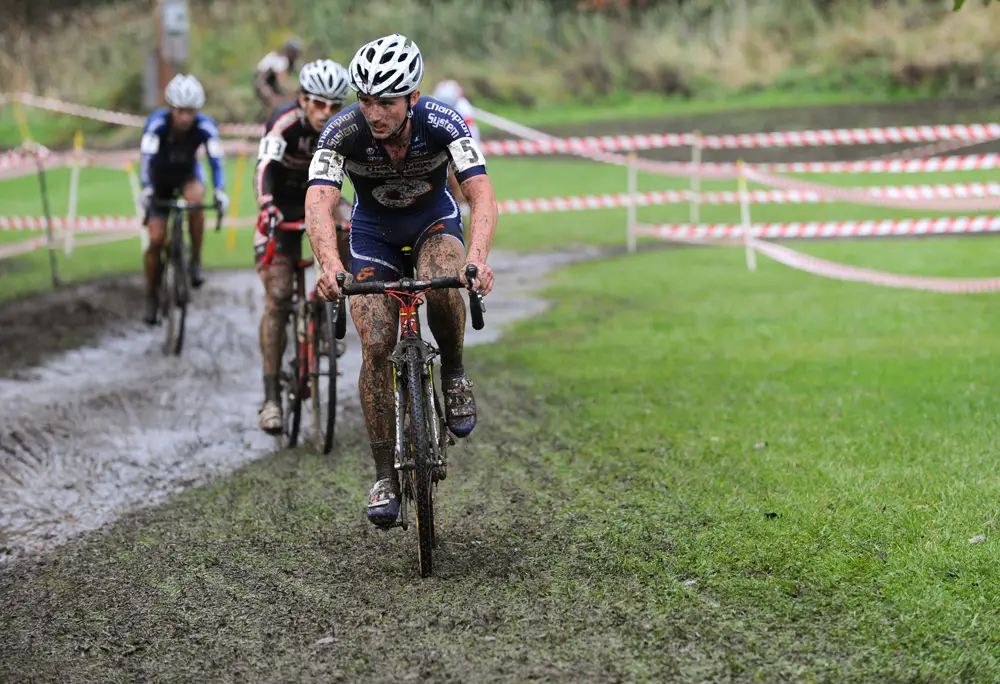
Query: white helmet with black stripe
point(184, 92)
point(325, 78)
point(390, 66)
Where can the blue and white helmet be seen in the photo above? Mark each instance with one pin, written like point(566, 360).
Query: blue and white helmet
point(390, 66)
point(325, 78)
point(184, 92)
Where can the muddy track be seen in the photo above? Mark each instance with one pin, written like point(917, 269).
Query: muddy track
point(98, 421)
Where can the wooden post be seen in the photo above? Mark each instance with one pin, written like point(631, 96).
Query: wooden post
point(632, 191)
point(745, 218)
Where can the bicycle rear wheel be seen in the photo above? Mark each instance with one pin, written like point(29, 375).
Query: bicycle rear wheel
point(290, 377)
point(420, 476)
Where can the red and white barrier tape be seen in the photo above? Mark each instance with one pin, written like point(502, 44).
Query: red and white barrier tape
point(730, 236)
point(856, 136)
point(661, 197)
point(862, 196)
point(580, 203)
point(19, 248)
point(831, 269)
point(950, 225)
point(975, 162)
point(89, 224)
point(54, 105)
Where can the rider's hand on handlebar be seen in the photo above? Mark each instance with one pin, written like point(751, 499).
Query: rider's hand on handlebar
point(222, 199)
point(484, 280)
point(267, 211)
point(327, 287)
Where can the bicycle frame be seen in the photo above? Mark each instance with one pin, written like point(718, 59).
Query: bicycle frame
point(409, 336)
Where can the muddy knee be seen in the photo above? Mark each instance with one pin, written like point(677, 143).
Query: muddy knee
point(278, 300)
point(375, 319)
point(194, 192)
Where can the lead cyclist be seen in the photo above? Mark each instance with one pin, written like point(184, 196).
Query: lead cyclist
point(396, 147)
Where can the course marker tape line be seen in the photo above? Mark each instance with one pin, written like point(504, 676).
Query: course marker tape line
point(831, 269)
point(86, 224)
point(950, 225)
point(844, 136)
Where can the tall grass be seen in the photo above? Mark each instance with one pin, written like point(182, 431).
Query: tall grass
point(522, 51)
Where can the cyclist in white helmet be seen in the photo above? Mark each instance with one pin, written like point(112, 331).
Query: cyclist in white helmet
point(169, 166)
point(280, 185)
point(396, 147)
point(271, 79)
point(450, 93)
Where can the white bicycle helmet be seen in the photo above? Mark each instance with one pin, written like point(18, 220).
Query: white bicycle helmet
point(448, 92)
point(325, 78)
point(390, 66)
point(184, 92)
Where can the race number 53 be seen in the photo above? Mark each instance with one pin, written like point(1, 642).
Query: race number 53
point(327, 165)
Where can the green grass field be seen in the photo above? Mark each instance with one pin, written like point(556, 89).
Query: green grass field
point(685, 470)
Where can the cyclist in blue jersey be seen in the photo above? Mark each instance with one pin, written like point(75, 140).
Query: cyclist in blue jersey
point(169, 166)
point(396, 147)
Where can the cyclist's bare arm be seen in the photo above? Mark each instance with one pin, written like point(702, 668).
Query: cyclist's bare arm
point(478, 190)
point(321, 217)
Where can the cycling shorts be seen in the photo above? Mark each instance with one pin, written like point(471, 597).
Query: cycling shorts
point(378, 242)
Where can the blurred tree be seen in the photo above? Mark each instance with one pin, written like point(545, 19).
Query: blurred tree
point(959, 3)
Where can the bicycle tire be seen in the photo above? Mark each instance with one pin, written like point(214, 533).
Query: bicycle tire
point(291, 381)
point(183, 292)
point(420, 475)
point(173, 291)
point(321, 326)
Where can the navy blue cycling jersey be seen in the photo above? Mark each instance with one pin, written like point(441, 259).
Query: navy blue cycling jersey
point(170, 157)
point(438, 136)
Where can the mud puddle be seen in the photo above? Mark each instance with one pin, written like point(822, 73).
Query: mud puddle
point(90, 433)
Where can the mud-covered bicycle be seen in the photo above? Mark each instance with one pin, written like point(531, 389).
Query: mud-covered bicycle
point(308, 369)
point(421, 430)
point(173, 277)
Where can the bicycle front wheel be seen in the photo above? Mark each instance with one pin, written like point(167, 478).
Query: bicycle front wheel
point(290, 374)
point(420, 476)
point(174, 292)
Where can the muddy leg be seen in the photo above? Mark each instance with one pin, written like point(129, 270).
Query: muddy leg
point(376, 318)
point(443, 255)
point(278, 281)
point(157, 234)
point(194, 192)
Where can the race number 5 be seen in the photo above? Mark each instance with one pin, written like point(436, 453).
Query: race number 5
point(465, 153)
point(470, 150)
point(327, 165)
